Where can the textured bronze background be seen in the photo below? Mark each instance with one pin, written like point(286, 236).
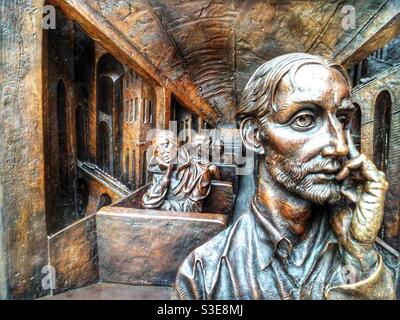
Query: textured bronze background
point(221, 198)
point(228, 173)
point(73, 254)
point(175, 46)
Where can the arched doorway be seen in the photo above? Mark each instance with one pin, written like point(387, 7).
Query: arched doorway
point(127, 172)
point(133, 172)
point(145, 173)
point(81, 133)
point(82, 197)
point(104, 147)
point(109, 108)
point(105, 200)
point(106, 95)
point(62, 137)
point(382, 119)
point(356, 126)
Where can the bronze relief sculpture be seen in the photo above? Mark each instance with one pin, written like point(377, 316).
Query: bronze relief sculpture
point(180, 181)
point(318, 205)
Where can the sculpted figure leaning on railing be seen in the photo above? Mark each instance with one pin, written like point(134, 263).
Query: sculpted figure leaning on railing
point(180, 182)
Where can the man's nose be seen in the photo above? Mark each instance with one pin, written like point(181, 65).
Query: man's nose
point(337, 146)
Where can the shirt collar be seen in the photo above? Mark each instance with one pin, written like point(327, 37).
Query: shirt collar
point(270, 242)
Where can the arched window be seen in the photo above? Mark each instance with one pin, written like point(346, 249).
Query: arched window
point(81, 126)
point(356, 126)
point(126, 111)
point(150, 112)
point(105, 200)
point(82, 197)
point(144, 110)
point(131, 111)
point(132, 76)
point(133, 172)
point(126, 81)
point(144, 173)
point(106, 94)
point(136, 109)
point(62, 135)
point(382, 119)
point(127, 163)
point(103, 150)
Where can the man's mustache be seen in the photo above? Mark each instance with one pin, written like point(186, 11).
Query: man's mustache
point(316, 165)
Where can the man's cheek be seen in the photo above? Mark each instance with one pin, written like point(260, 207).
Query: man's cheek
point(309, 150)
point(277, 138)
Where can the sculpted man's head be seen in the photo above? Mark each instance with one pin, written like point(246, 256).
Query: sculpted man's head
point(200, 147)
point(295, 110)
point(166, 148)
point(296, 113)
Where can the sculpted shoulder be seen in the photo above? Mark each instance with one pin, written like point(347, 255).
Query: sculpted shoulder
point(198, 273)
point(210, 253)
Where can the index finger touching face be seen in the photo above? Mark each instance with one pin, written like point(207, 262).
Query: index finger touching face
point(353, 152)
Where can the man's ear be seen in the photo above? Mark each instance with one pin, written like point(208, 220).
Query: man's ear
point(251, 135)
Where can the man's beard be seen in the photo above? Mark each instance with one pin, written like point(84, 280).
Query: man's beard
point(301, 178)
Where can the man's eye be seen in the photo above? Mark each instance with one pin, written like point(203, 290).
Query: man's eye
point(304, 122)
point(343, 119)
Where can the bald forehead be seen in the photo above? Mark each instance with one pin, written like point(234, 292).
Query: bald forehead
point(164, 137)
point(311, 77)
point(201, 138)
point(162, 140)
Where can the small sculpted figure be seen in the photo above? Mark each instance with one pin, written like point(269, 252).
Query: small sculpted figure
point(205, 171)
point(179, 183)
point(311, 228)
point(219, 150)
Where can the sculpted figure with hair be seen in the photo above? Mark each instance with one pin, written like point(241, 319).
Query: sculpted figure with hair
point(180, 182)
point(311, 229)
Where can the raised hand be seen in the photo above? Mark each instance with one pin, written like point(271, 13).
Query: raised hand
point(357, 227)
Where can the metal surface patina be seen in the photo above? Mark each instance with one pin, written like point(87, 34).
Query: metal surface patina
point(311, 229)
point(180, 181)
